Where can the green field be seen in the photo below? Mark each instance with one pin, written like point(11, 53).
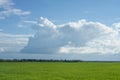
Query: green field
point(59, 71)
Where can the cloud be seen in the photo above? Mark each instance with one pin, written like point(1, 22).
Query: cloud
point(12, 43)
point(116, 26)
point(6, 4)
point(7, 9)
point(42, 23)
point(81, 37)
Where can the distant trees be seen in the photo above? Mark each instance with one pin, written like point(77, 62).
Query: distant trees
point(37, 60)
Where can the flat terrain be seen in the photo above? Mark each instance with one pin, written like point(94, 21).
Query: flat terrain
point(59, 71)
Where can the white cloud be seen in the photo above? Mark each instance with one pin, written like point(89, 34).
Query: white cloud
point(43, 22)
point(46, 23)
point(6, 4)
point(116, 26)
point(8, 9)
point(12, 43)
point(81, 37)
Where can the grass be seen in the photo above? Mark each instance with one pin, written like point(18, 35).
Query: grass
point(59, 71)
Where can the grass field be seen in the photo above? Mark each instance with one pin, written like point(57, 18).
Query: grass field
point(59, 71)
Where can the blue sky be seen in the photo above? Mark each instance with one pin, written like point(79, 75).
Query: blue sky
point(69, 27)
point(105, 11)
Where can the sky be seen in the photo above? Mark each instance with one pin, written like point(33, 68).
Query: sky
point(60, 29)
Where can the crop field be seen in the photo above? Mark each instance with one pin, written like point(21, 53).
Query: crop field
point(60, 71)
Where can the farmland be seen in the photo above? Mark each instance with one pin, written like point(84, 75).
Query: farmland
point(59, 70)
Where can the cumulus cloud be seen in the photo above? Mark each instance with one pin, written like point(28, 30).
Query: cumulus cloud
point(81, 37)
point(116, 26)
point(7, 9)
point(12, 43)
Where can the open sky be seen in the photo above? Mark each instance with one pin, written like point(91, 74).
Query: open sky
point(60, 29)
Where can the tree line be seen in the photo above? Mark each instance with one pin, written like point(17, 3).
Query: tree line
point(37, 60)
